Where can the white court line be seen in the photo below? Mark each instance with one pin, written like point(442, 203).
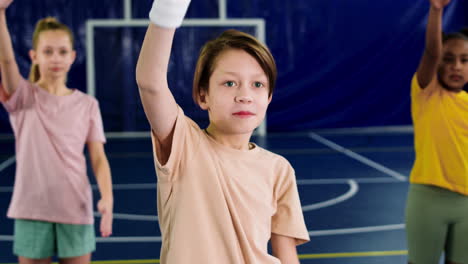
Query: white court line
point(358, 157)
point(328, 232)
point(6, 189)
point(356, 230)
point(132, 186)
point(7, 163)
point(345, 180)
point(133, 217)
point(115, 187)
point(6, 238)
point(353, 189)
point(109, 239)
point(333, 131)
point(128, 239)
point(350, 193)
point(152, 186)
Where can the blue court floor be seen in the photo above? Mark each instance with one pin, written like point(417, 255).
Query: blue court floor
point(353, 190)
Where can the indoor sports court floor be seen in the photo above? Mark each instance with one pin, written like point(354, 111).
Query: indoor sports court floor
point(352, 185)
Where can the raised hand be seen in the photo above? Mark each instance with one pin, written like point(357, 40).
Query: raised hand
point(439, 4)
point(168, 13)
point(105, 208)
point(5, 3)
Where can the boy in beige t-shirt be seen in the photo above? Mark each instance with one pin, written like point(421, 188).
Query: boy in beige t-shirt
point(221, 199)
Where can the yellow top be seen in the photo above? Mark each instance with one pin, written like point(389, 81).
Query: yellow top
point(440, 122)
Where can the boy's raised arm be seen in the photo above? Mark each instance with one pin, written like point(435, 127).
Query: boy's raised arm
point(151, 72)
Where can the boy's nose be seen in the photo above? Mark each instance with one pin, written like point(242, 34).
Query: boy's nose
point(243, 99)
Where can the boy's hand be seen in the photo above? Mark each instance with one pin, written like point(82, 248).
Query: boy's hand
point(105, 208)
point(439, 4)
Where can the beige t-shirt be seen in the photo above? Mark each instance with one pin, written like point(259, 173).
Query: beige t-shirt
point(220, 205)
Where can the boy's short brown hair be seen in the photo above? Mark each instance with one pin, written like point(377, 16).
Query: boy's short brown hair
point(231, 39)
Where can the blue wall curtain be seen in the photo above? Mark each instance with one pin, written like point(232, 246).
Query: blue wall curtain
point(341, 63)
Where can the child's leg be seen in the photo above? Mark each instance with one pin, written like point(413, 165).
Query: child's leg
point(86, 259)
point(457, 241)
point(23, 260)
point(426, 225)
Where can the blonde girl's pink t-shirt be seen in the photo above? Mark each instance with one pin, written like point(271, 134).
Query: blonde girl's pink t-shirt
point(51, 182)
point(221, 205)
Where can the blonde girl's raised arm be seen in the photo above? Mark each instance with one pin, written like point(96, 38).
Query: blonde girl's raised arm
point(8, 66)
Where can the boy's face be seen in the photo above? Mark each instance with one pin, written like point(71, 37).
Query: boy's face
point(453, 69)
point(237, 97)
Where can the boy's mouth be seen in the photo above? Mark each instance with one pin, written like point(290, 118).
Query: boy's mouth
point(243, 113)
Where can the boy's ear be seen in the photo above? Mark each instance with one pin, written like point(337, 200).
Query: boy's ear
point(202, 99)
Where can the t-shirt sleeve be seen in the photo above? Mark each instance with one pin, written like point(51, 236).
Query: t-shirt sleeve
point(420, 97)
point(185, 138)
point(416, 90)
point(288, 219)
point(96, 128)
point(22, 97)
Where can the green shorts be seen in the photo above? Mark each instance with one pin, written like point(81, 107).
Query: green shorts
point(38, 239)
point(436, 222)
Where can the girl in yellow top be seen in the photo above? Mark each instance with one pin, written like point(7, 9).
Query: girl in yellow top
point(437, 206)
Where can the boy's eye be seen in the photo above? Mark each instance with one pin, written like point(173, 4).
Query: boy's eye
point(48, 52)
point(229, 83)
point(258, 84)
point(63, 52)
